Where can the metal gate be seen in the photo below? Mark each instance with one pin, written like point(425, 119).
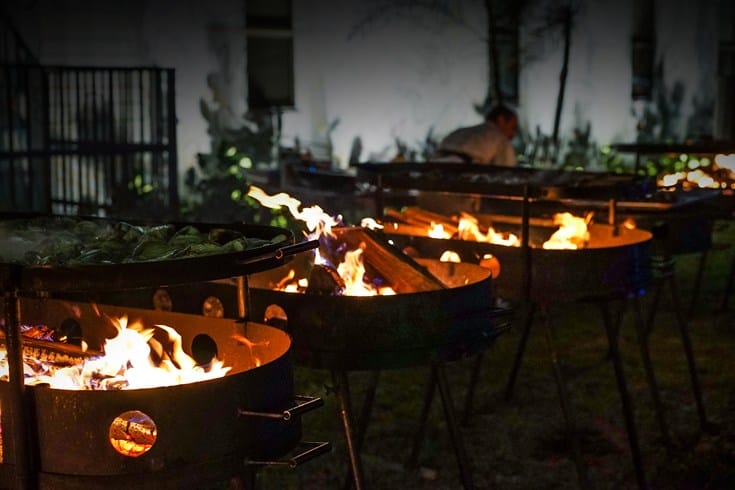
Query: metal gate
point(88, 140)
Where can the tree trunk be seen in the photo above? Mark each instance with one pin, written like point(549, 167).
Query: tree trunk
point(562, 81)
point(494, 93)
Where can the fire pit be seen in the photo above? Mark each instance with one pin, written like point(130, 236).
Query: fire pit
point(127, 435)
point(613, 260)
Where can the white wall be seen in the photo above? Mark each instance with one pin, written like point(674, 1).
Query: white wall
point(404, 76)
point(397, 79)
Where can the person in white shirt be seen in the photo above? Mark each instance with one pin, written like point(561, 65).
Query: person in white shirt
point(485, 143)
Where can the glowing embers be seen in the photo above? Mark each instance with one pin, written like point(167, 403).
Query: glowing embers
point(133, 433)
point(135, 358)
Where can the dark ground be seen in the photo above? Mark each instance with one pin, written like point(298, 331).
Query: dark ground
point(520, 444)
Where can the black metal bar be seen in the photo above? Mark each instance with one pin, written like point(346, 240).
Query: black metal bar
point(697, 284)
point(310, 451)
point(243, 308)
point(363, 419)
point(528, 313)
point(342, 388)
point(11, 130)
point(172, 174)
point(613, 331)
point(46, 123)
point(644, 333)
point(423, 418)
point(303, 404)
point(20, 432)
point(465, 470)
point(566, 406)
point(366, 410)
point(471, 388)
point(688, 351)
point(728, 287)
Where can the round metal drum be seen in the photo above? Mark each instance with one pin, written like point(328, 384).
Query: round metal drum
point(385, 332)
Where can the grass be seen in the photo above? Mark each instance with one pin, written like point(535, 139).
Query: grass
point(520, 444)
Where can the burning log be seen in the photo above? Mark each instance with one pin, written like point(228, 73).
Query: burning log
point(325, 280)
point(399, 271)
point(56, 353)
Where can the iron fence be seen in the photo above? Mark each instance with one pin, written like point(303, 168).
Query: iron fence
point(88, 140)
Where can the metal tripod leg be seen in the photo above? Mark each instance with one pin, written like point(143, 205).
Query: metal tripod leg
point(423, 418)
point(689, 352)
point(470, 396)
point(566, 407)
point(343, 395)
point(363, 420)
point(697, 284)
point(728, 287)
point(613, 333)
point(463, 463)
point(644, 337)
point(529, 309)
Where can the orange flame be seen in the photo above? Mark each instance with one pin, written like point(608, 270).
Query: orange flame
point(351, 270)
point(127, 363)
point(572, 233)
point(469, 229)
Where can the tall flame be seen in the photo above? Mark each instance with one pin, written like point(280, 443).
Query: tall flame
point(572, 233)
point(319, 223)
point(469, 229)
point(132, 359)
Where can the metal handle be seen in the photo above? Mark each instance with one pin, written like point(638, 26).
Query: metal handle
point(282, 252)
point(304, 404)
point(311, 451)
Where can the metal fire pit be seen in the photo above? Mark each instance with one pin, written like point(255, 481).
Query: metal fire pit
point(615, 262)
point(384, 332)
point(243, 415)
point(208, 430)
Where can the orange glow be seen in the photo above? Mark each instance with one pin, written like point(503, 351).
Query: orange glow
point(133, 359)
point(251, 345)
point(572, 232)
point(469, 229)
point(450, 256)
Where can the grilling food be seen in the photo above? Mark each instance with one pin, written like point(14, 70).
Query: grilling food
point(75, 241)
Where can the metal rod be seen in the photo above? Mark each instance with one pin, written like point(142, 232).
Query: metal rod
point(20, 432)
point(465, 471)
point(613, 332)
point(566, 406)
point(471, 388)
point(172, 172)
point(528, 313)
point(423, 418)
point(728, 286)
point(688, 350)
point(525, 245)
point(697, 284)
point(363, 418)
point(345, 409)
point(243, 308)
point(644, 333)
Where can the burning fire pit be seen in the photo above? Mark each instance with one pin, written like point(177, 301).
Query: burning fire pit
point(361, 304)
point(76, 420)
point(610, 261)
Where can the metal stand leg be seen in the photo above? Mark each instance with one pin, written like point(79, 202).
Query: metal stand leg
point(644, 334)
point(613, 331)
point(566, 407)
point(343, 394)
point(423, 418)
point(689, 352)
point(470, 396)
point(697, 284)
point(728, 287)
point(528, 321)
point(17, 391)
point(363, 419)
point(465, 472)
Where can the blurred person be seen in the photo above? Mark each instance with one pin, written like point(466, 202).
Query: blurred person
point(485, 143)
